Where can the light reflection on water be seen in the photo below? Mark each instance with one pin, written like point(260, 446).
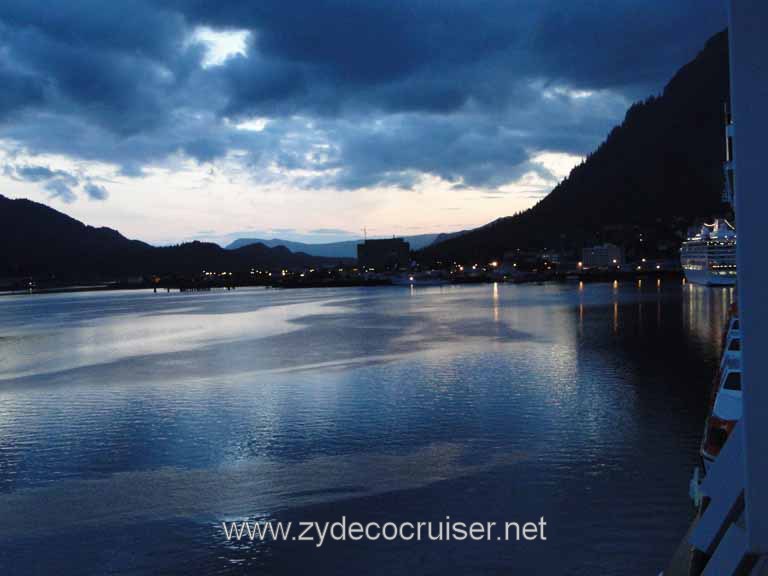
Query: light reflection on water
point(706, 311)
point(130, 423)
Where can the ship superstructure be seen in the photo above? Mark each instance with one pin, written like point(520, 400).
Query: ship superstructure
point(709, 256)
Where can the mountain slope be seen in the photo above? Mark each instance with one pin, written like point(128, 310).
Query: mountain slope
point(36, 240)
point(658, 171)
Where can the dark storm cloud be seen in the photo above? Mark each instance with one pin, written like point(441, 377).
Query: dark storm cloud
point(40, 174)
point(363, 93)
point(19, 90)
point(469, 150)
point(61, 189)
point(58, 183)
point(95, 192)
point(434, 55)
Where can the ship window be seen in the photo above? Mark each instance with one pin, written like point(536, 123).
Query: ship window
point(735, 345)
point(733, 381)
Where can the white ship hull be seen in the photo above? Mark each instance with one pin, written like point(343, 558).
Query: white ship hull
point(709, 256)
point(707, 278)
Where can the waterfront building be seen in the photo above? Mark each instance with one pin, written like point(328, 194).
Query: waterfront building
point(603, 256)
point(383, 255)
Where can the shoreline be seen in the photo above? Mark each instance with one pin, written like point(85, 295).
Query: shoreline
point(595, 277)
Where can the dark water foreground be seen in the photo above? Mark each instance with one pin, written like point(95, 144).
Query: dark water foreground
point(132, 424)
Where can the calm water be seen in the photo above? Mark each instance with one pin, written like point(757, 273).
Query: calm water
point(132, 424)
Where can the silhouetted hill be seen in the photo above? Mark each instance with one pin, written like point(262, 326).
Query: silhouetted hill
point(36, 240)
point(657, 172)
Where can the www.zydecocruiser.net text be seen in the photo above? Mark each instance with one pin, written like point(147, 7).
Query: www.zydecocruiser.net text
point(343, 531)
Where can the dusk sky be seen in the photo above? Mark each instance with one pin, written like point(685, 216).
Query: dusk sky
point(173, 120)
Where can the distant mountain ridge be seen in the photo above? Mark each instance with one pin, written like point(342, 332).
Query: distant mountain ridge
point(343, 249)
point(657, 172)
point(38, 241)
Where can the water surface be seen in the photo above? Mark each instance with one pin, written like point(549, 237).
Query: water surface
point(133, 423)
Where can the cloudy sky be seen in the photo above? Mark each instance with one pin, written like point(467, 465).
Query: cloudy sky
point(171, 119)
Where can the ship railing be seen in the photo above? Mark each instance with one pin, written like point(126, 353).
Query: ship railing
point(720, 533)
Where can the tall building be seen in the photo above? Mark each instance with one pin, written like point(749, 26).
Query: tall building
point(384, 255)
point(603, 256)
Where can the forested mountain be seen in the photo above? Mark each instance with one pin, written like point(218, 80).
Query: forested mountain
point(656, 173)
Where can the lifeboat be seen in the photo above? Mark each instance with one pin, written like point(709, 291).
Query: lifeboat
point(726, 398)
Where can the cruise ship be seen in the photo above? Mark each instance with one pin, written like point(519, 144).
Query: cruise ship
point(709, 256)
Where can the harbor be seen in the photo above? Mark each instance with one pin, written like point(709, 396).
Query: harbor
point(494, 402)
